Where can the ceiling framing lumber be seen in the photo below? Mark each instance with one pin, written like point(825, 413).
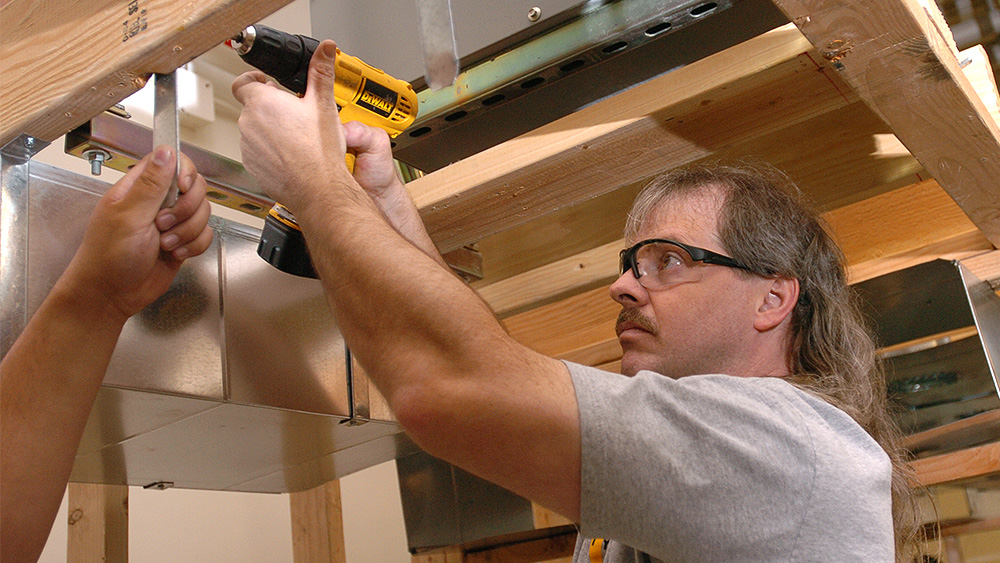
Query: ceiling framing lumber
point(875, 234)
point(898, 59)
point(63, 61)
point(743, 93)
point(971, 463)
point(879, 235)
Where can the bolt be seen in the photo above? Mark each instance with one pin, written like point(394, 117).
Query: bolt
point(29, 142)
point(159, 485)
point(96, 157)
point(534, 14)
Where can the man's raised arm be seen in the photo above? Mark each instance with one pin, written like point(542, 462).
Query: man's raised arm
point(462, 388)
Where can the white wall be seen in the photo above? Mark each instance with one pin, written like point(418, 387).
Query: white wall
point(211, 526)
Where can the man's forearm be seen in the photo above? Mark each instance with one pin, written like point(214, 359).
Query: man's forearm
point(47, 388)
point(399, 209)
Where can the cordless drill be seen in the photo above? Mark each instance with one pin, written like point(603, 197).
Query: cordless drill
point(363, 93)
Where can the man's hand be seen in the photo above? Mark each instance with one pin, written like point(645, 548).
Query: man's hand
point(50, 376)
point(375, 172)
point(132, 249)
point(290, 144)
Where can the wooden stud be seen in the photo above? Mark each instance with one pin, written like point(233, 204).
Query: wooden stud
point(64, 62)
point(896, 59)
point(98, 523)
point(318, 525)
point(545, 518)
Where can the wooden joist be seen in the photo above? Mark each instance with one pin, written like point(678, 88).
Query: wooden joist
point(698, 111)
point(838, 159)
point(980, 461)
point(63, 62)
point(878, 235)
point(881, 234)
point(899, 61)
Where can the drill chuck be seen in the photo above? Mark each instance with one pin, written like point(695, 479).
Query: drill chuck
point(282, 56)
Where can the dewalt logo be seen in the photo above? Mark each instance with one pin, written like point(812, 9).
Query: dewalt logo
point(372, 99)
point(377, 98)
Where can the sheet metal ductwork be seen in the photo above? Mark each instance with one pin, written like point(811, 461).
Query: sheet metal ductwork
point(236, 379)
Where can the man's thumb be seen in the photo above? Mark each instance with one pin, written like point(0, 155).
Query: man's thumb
point(150, 187)
point(322, 73)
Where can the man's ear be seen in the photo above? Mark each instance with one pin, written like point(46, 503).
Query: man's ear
point(777, 304)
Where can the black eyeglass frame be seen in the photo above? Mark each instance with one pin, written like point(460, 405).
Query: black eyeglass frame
point(627, 256)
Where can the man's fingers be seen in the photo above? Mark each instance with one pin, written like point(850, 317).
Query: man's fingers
point(244, 85)
point(322, 72)
point(194, 248)
point(185, 206)
point(185, 232)
point(361, 138)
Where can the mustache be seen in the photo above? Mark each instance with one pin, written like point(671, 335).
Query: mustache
point(634, 317)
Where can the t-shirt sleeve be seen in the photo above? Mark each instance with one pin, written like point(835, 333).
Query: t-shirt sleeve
point(707, 467)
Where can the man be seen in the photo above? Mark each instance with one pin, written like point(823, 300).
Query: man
point(49, 378)
point(770, 461)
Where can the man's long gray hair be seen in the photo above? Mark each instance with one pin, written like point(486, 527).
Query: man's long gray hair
point(764, 224)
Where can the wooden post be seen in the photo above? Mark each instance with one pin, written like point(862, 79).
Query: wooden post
point(98, 523)
point(318, 525)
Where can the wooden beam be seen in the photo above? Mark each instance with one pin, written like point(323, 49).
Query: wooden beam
point(739, 94)
point(318, 525)
point(980, 461)
point(875, 234)
point(98, 523)
point(64, 61)
point(898, 61)
point(820, 141)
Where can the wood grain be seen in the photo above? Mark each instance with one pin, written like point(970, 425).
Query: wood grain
point(742, 93)
point(980, 461)
point(64, 62)
point(318, 525)
point(882, 234)
point(98, 523)
point(896, 59)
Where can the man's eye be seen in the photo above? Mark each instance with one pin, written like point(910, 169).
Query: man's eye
point(670, 260)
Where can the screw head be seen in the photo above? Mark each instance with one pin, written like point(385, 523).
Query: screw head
point(534, 14)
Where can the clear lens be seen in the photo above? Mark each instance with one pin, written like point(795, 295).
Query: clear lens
point(661, 264)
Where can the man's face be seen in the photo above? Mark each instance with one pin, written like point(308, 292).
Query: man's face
point(703, 326)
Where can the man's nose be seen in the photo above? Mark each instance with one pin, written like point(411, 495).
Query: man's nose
point(627, 290)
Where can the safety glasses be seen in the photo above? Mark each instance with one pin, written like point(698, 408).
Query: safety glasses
point(658, 262)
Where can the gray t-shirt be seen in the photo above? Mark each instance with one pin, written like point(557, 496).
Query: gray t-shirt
point(723, 468)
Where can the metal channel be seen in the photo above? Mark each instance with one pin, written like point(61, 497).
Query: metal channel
point(127, 142)
point(15, 159)
point(603, 51)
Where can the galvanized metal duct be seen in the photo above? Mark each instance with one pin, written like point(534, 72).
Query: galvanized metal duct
point(236, 379)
